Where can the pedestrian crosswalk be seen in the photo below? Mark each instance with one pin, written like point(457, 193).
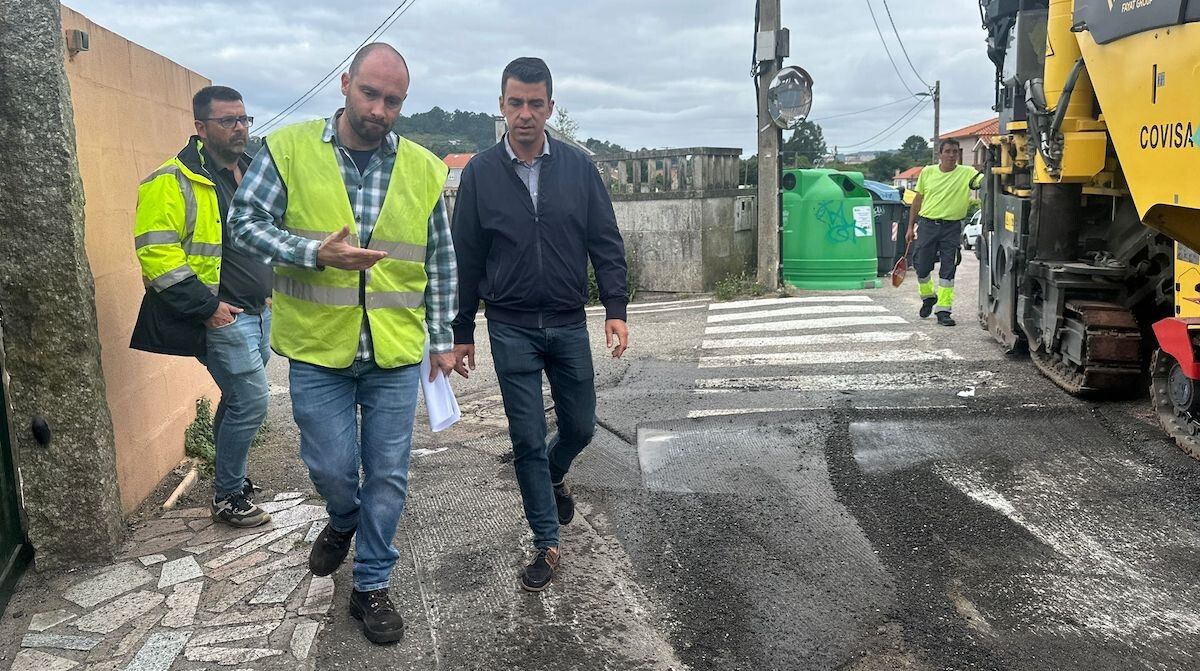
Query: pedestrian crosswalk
point(785, 354)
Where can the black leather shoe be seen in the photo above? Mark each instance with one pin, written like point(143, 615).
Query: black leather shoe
point(380, 621)
point(927, 306)
point(565, 503)
point(537, 576)
point(944, 319)
point(329, 551)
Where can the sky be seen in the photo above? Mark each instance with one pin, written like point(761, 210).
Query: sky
point(640, 73)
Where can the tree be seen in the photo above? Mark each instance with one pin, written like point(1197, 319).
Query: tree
point(603, 148)
point(884, 167)
point(564, 124)
point(915, 148)
point(806, 145)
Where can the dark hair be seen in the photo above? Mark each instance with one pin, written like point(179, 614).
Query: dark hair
point(950, 141)
point(368, 50)
point(202, 101)
point(529, 71)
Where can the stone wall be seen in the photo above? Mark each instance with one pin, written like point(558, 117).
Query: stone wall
point(686, 242)
point(52, 348)
point(686, 223)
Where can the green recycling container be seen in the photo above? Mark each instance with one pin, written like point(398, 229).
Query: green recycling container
point(828, 231)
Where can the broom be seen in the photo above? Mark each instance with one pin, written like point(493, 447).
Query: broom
point(901, 267)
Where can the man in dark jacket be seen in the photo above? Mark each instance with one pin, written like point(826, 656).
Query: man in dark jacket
point(531, 212)
point(205, 298)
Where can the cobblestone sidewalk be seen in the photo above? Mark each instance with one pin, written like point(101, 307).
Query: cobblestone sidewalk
point(188, 594)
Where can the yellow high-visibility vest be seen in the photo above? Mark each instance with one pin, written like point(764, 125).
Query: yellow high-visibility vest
point(318, 314)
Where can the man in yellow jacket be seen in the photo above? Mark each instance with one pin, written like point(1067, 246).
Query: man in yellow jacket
point(205, 298)
point(352, 216)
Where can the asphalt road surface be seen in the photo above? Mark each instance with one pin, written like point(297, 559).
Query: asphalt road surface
point(819, 481)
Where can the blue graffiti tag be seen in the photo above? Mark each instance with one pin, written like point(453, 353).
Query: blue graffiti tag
point(832, 213)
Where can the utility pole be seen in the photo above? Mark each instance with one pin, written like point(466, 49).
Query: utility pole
point(769, 137)
point(937, 116)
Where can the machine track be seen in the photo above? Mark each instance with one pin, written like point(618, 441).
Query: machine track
point(1111, 350)
point(1182, 424)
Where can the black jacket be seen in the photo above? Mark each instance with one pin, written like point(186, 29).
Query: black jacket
point(172, 321)
point(530, 267)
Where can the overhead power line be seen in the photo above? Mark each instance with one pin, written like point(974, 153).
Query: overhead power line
point(902, 49)
point(375, 34)
point(907, 116)
point(886, 50)
point(869, 109)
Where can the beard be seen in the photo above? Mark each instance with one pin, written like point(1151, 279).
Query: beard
point(228, 151)
point(369, 131)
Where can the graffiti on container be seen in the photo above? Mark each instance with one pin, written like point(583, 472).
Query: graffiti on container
point(840, 228)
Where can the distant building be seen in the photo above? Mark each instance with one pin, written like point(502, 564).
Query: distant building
point(860, 157)
point(456, 163)
point(974, 140)
point(908, 178)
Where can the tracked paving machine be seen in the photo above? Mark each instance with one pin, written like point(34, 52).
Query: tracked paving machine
point(1092, 205)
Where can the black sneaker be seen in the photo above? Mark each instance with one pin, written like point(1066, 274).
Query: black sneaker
point(537, 576)
point(944, 319)
point(238, 511)
point(329, 550)
point(565, 503)
point(927, 306)
point(380, 621)
point(249, 488)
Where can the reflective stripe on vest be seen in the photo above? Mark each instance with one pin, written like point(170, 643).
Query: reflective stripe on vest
point(318, 315)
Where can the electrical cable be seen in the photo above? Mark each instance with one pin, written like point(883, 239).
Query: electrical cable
point(308, 95)
point(904, 118)
point(888, 51)
point(869, 109)
point(902, 49)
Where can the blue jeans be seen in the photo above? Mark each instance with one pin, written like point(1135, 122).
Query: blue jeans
point(520, 355)
point(326, 403)
point(236, 357)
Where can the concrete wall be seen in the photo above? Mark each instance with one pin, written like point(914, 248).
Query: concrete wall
point(685, 242)
point(132, 112)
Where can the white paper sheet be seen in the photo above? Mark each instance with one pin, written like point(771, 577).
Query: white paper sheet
point(439, 398)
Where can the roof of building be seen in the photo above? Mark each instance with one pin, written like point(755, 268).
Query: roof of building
point(912, 173)
point(457, 160)
point(983, 128)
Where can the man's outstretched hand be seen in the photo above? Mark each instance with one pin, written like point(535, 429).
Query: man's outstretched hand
point(337, 253)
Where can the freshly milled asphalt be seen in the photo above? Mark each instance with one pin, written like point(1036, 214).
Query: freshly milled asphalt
point(959, 513)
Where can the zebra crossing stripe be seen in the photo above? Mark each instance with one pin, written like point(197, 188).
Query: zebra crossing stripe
point(655, 304)
point(794, 312)
point(815, 339)
point(864, 382)
point(804, 324)
point(769, 302)
point(722, 412)
point(819, 358)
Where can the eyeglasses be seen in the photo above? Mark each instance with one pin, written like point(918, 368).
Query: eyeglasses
point(228, 122)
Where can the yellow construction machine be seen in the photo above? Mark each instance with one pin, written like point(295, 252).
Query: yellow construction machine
point(1091, 211)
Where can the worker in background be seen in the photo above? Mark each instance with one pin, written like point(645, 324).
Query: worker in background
point(935, 222)
point(204, 297)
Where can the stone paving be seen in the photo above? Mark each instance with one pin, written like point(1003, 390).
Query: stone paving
point(190, 594)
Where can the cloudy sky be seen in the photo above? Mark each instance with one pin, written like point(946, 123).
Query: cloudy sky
point(641, 73)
